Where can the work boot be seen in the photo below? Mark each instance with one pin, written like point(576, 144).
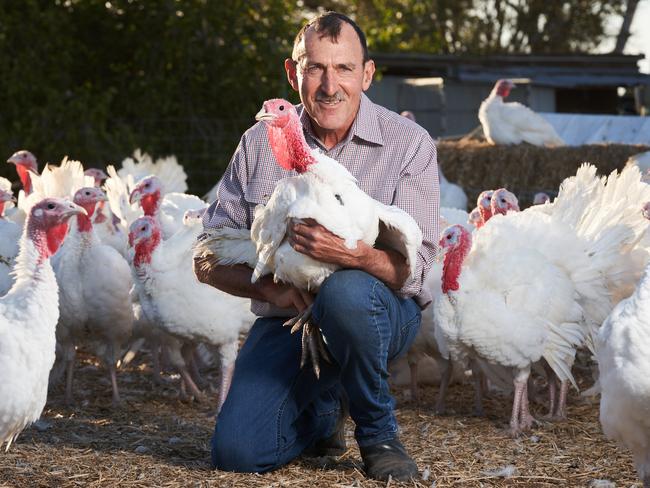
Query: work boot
point(388, 458)
point(334, 445)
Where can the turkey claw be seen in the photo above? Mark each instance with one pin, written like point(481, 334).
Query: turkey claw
point(296, 323)
point(313, 347)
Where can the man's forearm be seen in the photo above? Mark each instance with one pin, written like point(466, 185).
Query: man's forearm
point(384, 264)
point(235, 279)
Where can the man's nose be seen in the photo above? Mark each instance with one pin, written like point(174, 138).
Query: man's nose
point(329, 84)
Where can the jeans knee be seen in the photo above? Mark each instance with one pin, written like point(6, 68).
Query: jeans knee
point(345, 302)
point(230, 452)
point(347, 291)
point(230, 455)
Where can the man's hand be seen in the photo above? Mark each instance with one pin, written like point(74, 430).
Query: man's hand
point(312, 239)
point(285, 296)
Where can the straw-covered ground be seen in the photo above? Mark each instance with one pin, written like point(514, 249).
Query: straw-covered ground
point(154, 439)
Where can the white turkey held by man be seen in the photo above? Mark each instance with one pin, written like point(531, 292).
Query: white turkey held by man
point(326, 192)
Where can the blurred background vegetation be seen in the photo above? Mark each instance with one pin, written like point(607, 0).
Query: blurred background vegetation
point(95, 79)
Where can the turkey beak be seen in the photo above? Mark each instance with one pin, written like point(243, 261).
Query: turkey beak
point(136, 196)
point(73, 209)
point(102, 197)
point(7, 197)
point(264, 115)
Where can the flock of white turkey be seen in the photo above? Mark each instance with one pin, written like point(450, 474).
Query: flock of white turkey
point(104, 262)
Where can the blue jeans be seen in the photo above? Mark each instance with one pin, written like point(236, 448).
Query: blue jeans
point(275, 409)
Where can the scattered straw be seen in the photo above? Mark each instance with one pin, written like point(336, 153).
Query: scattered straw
point(95, 445)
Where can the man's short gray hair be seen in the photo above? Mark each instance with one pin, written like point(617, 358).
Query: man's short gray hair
point(328, 24)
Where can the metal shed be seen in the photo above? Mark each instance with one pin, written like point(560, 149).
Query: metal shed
point(445, 91)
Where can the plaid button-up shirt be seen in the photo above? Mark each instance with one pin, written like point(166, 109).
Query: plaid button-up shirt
point(393, 159)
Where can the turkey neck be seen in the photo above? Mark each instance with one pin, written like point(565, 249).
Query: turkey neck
point(25, 179)
point(290, 147)
point(485, 214)
point(84, 222)
point(453, 264)
point(36, 246)
point(144, 251)
point(151, 204)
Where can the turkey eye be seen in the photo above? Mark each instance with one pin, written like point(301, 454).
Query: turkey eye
point(87, 193)
point(51, 206)
point(281, 108)
point(449, 237)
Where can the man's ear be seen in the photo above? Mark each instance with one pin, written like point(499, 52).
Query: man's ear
point(290, 66)
point(368, 73)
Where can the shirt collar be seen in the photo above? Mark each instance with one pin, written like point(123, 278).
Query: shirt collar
point(365, 125)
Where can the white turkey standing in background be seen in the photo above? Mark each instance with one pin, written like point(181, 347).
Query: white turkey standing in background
point(28, 317)
point(170, 172)
point(513, 123)
point(26, 165)
point(451, 194)
point(532, 285)
point(9, 238)
point(622, 346)
point(177, 301)
point(167, 208)
point(94, 282)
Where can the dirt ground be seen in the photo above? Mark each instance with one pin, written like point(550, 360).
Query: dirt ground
point(154, 439)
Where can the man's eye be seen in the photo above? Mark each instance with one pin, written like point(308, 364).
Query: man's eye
point(312, 70)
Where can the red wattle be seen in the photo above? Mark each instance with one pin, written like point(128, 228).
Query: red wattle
point(150, 203)
point(453, 263)
point(144, 249)
point(55, 236)
point(25, 178)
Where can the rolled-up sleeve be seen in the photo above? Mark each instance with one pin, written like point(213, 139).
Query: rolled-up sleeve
point(418, 193)
point(230, 208)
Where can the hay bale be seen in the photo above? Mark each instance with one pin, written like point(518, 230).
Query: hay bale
point(524, 169)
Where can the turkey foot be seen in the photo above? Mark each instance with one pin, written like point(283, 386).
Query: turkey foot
point(313, 345)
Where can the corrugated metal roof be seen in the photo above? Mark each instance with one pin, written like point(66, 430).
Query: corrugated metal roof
point(579, 129)
point(565, 80)
point(555, 71)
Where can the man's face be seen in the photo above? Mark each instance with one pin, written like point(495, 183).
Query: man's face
point(330, 77)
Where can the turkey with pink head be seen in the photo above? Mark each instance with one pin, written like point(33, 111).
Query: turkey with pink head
point(174, 299)
point(28, 316)
point(94, 282)
point(506, 123)
point(533, 286)
point(325, 191)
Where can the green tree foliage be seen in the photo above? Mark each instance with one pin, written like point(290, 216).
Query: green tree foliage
point(479, 26)
point(95, 79)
